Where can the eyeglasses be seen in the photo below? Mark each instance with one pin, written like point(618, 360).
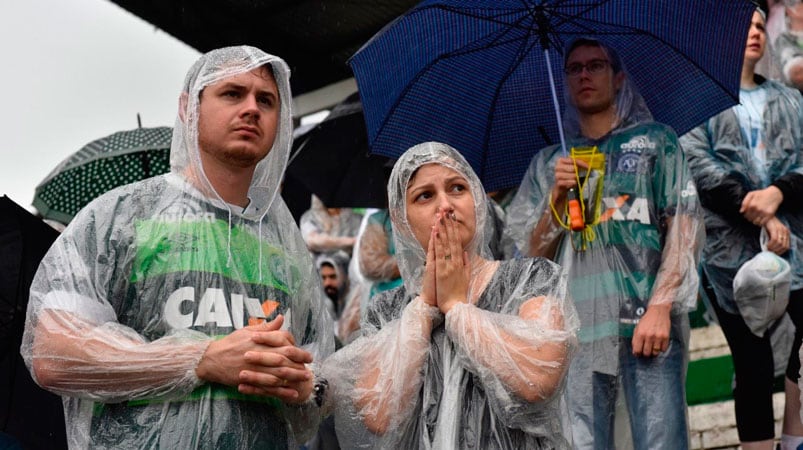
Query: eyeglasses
point(593, 67)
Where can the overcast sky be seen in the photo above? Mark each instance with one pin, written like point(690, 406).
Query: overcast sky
point(74, 71)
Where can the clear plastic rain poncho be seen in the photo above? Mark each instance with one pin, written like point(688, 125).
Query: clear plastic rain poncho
point(327, 233)
point(378, 253)
point(486, 375)
point(359, 289)
point(725, 170)
point(642, 240)
point(127, 300)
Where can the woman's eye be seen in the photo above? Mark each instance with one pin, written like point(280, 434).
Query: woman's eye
point(459, 188)
point(232, 94)
point(423, 196)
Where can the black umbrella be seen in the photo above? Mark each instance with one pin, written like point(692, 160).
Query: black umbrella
point(333, 162)
point(28, 413)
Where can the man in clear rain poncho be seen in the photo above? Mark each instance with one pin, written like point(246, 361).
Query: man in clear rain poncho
point(181, 311)
point(633, 266)
point(468, 352)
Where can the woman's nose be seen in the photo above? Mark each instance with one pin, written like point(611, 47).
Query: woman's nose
point(446, 205)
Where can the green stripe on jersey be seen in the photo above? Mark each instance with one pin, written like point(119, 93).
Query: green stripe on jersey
point(164, 247)
point(611, 285)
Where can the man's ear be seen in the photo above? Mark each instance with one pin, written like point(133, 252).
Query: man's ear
point(618, 79)
point(182, 106)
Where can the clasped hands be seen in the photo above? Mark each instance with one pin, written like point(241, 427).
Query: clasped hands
point(759, 208)
point(260, 360)
point(447, 269)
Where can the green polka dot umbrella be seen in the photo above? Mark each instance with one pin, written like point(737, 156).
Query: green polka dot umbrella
point(104, 164)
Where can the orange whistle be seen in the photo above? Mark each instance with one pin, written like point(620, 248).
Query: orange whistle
point(576, 221)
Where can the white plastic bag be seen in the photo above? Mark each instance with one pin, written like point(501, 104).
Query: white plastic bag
point(761, 288)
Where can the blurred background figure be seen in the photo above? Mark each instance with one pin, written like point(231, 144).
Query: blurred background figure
point(747, 165)
point(378, 255)
point(334, 278)
point(784, 31)
point(329, 230)
point(358, 292)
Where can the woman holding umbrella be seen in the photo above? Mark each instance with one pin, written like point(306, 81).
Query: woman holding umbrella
point(748, 167)
point(469, 352)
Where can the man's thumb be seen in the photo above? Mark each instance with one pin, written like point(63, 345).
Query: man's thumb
point(273, 325)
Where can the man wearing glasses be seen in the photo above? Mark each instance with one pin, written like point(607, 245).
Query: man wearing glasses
point(632, 261)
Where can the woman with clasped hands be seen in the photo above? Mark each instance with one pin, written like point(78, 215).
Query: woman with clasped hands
point(469, 352)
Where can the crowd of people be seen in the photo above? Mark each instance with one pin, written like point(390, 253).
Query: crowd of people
point(189, 311)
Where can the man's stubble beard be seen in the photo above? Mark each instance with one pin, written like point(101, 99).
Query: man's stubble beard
point(332, 293)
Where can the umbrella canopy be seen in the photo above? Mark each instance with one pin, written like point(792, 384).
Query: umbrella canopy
point(332, 160)
point(476, 75)
point(104, 164)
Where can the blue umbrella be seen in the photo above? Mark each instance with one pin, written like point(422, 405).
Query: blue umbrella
point(478, 75)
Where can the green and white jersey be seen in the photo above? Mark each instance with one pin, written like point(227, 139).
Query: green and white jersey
point(612, 269)
point(645, 180)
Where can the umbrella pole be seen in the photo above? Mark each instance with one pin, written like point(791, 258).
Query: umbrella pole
point(574, 202)
point(555, 102)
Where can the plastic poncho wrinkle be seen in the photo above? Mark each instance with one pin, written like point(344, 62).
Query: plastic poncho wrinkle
point(129, 297)
point(485, 375)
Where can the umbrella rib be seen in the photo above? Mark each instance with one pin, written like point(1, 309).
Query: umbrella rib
point(514, 64)
point(572, 18)
point(493, 18)
point(457, 52)
point(494, 42)
point(633, 31)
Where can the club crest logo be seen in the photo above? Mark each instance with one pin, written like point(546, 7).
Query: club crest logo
point(628, 163)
